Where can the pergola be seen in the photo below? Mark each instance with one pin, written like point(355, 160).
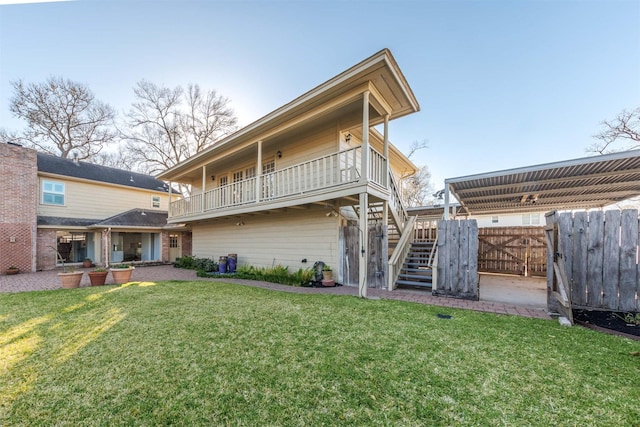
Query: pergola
point(586, 183)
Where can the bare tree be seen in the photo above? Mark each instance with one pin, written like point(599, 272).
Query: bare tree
point(625, 128)
point(416, 188)
point(166, 126)
point(63, 118)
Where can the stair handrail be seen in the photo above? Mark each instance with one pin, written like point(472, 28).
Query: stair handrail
point(401, 251)
point(434, 247)
point(398, 210)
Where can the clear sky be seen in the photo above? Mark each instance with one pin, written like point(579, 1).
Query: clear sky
point(501, 84)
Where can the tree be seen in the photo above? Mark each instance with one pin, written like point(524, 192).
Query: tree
point(416, 188)
point(63, 118)
point(625, 128)
point(166, 126)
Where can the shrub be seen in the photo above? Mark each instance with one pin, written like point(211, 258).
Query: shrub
point(193, 263)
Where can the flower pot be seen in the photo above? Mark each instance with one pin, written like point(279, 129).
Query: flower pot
point(327, 274)
point(12, 271)
point(70, 280)
point(87, 264)
point(98, 278)
point(121, 275)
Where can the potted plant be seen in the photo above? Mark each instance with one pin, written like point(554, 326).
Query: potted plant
point(12, 270)
point(98, 276)
point(327, 273)
point(87, 263)
point(70, 278)
point(121, 273)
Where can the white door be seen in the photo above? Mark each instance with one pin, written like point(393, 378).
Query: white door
point(175, 246)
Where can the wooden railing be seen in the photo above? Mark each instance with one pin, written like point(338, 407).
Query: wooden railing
point(377, 167)
point(400, 252)
point(324, 172)
point(395, 204)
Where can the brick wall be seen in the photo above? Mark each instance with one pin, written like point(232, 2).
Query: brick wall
point(186, 243)
point(46, 256)
point(164, 243)
point(18, 207)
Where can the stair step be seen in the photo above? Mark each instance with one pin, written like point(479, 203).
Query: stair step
point(416, 277)
point(412, 283)
point(416, 270)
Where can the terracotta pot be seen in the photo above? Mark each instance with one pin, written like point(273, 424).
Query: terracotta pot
point(70, 280)
point(121, 275)
point(98, 278)
point(87, 264)
point(12, 271)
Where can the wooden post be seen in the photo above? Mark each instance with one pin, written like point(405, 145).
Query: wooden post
point(204, 185)
point(259, 172)
point(364, 158)
point(363, 226)
point(385, 151)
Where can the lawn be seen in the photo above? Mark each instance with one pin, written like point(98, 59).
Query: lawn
point(207, 353)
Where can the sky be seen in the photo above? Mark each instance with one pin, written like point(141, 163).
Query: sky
point(501, 83)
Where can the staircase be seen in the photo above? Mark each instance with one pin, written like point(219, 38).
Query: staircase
point(416, 270)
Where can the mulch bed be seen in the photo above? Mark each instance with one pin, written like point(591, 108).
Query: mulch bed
point(608, 322)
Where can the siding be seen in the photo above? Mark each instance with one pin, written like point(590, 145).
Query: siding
point(279, 238)
point(97, 201)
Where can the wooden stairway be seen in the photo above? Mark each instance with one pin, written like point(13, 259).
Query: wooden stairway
point(417, 267)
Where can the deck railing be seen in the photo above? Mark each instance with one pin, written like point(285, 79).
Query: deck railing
point(377, 167)
point(327, 171)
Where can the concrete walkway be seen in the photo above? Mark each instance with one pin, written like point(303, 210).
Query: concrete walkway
point(48, 280)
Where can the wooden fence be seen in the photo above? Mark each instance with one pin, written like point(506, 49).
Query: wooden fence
point(599, 256)
point(349, 248)
point(457, 266)
point(512, 250)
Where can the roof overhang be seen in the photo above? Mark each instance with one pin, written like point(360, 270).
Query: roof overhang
point(379, 73)
point(585, 183)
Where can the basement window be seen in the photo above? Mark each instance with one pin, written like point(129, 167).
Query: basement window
point(53, 193)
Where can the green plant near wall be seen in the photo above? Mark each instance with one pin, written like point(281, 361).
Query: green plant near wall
point(276, 274)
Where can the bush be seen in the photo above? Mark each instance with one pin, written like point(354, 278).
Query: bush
point(193, 263)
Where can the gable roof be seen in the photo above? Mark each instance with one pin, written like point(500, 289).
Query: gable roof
point(590, 182)
point(77, 169)
point(380, 69)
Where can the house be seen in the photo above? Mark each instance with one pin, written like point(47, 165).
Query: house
point(309, 181)
point(58, 209)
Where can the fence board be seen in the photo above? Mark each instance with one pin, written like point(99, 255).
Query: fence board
point(628, 255)
point(611, 262)
point(377, 268)
point(595, 253)
point(579, 263)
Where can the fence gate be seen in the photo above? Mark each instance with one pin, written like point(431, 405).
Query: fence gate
point(457, 259)
point(512, 250)
point(598, 252)
point(377, 253)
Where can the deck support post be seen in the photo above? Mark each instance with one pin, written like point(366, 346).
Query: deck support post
point(385, 150)
point(445, 214)
point(259, 172)
point(364, 237)
point(204, 185)
point(364, 159)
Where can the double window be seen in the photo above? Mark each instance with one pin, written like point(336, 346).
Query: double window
point(53, 193)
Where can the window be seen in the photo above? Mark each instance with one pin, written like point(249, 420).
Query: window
point(155, 201)
point(531, 219)
point(494, 219)
point(269, 167)
point(52, 193)
point(173, 241)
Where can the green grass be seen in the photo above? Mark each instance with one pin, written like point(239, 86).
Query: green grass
point(206, 353)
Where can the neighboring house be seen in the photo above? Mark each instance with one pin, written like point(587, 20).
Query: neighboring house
point(81, 210)
point(284, 189)
point(525, 219)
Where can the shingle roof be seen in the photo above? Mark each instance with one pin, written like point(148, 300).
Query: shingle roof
point(131, 218)
point(66, 222)
point(136, 218)
point(93, 172)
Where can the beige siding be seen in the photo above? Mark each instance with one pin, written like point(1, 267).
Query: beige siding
point(266, 240)
point(98, 201)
